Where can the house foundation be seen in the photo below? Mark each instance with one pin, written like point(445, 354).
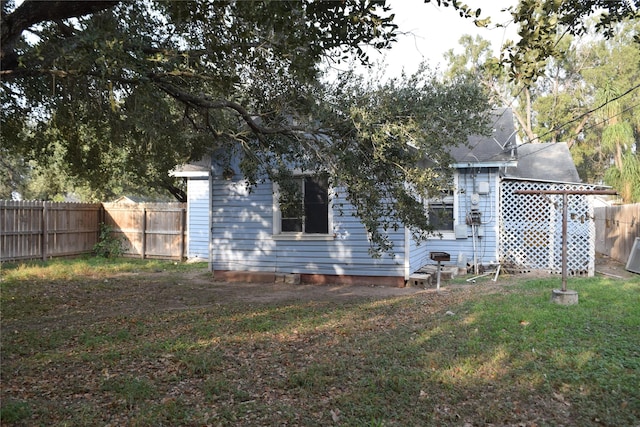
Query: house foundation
point(306, 279)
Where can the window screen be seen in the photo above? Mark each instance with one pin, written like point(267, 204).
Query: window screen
point(441, 215)
point(305, 206)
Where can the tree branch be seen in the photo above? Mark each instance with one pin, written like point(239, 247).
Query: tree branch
point(202, 102)
point(32, 12)
point(176, 192)
point(577, 131)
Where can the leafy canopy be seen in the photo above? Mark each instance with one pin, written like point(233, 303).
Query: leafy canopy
point(541, 22)
point(131, 89)
point(134, 88)
point(115, 94)
point(587, 97)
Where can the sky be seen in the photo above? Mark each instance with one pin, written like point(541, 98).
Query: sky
point(430, 31)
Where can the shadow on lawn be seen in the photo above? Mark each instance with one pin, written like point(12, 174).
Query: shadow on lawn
point(484, 354)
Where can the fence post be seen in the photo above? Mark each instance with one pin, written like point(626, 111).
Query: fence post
point(45, 230)
point(183, 215)
point(101, 219)
point(144, 232)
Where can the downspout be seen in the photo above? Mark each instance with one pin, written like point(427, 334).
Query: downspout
point(211, 220)
point(498, 213)
point(407, 254)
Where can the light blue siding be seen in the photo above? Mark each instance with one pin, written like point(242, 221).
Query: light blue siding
point(485, 249)
point(241, 227)
point(198, 218)
point(242, 238)
point(242, 232)
point(418, 255)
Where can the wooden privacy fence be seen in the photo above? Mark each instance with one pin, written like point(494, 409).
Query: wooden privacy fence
point(40, 230)
point(616, 229)
point(43, 230)
point(150, 230)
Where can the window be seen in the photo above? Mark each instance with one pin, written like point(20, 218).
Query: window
point(303, 206)
point(442, 210)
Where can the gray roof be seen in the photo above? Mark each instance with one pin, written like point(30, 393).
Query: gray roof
point(540, 162)
point(544, 162)
point(490, 149)
point(133, 199)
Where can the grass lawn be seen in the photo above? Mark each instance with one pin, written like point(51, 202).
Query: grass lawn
point(98, 342)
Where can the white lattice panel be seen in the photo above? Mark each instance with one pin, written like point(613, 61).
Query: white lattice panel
point(531, 229)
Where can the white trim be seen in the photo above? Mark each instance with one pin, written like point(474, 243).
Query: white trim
point(449, 234)
point(189, 174)
point(407, 253)
point(549, 181)
point(210, 204)
point(303, 236)
point(278, 234)
point(498, 218)
point(463, 165)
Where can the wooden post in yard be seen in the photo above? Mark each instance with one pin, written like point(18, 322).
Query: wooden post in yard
point(565, 210)
point(565, 296)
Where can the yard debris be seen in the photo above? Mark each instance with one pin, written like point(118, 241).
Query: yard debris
point(266, 354)
point(560, 398)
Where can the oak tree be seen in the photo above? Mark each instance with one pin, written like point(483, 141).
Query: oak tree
point(131, 89)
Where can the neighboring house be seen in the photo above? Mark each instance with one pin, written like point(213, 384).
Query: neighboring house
point(129, 200)
point(137, 200)
point(250, 235)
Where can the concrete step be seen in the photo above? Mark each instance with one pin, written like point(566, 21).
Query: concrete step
point(427, 275)
point(419, 280)
point(447, 272)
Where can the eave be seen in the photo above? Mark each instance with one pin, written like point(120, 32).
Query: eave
point(506, 163)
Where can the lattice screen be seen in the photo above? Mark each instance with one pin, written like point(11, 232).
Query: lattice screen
point(531, 229)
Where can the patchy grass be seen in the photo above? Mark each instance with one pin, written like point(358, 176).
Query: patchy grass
point(46, 288)
point(81, 347)
point(87, 267)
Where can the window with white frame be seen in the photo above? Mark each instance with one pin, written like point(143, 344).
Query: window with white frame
point(441, 213)
point(442, 210)
point(302, 206)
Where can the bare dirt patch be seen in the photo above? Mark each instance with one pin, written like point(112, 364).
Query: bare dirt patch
point(127, 294)
point(609, 267)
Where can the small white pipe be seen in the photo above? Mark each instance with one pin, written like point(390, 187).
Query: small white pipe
point(473, 279)
point(495, 278)
point(475, 252)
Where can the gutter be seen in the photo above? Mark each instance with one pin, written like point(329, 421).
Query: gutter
point(508, 164)
point(189, 174)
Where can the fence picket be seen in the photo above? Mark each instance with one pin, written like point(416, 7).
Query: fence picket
point(43, 230)
point(618, 227)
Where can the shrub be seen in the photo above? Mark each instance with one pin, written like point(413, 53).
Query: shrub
point(108, 245)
